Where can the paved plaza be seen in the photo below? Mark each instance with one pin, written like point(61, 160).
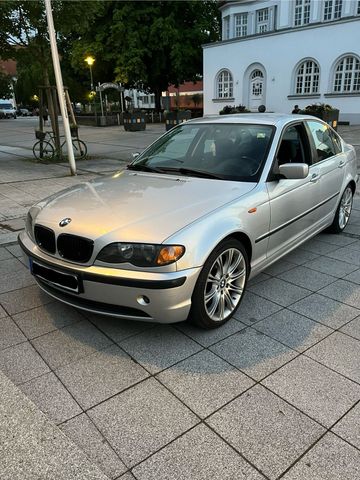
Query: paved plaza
point(275, 393)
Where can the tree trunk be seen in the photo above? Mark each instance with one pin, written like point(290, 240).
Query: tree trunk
point(52, 107)
point(157, 92)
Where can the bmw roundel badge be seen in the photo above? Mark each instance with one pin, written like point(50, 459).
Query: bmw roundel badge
point(65, 222)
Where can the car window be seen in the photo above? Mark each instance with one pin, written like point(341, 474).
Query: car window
point(293, 148)
point(336, 140)
point(323, 140)
point(230, 151)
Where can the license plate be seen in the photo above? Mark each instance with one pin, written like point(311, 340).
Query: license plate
point(55, 278)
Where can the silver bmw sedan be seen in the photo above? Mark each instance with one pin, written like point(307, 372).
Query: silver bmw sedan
point(181, 230)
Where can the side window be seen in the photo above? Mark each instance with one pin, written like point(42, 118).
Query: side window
point(293, 147)
point(336, 141)
point(323, 140)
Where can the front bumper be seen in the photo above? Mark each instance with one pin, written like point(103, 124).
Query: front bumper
point(116, 292)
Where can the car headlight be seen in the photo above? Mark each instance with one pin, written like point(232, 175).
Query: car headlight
point(141, 254)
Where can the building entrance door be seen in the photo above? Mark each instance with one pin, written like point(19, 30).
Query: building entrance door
point(257, 93)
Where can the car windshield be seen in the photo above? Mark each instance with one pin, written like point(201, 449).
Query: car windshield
point(6, 106)
point(224, 151)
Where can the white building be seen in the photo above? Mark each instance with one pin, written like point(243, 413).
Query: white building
point(281, 53)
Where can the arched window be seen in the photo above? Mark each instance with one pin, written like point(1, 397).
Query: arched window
point(256, 74)
point(307, 78)
point(224, 84)
point(347, 75)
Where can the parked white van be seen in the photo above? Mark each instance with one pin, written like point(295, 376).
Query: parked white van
point(7, 109)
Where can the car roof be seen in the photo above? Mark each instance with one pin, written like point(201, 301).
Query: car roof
point(276, 119)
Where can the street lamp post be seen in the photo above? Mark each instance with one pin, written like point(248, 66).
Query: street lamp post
point(90, 61)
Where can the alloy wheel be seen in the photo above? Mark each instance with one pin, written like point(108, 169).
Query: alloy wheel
point(345, 207)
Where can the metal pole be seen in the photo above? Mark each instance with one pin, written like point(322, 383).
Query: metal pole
point(91, 79)
point(59, 85)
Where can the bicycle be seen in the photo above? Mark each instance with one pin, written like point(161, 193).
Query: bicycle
point(46, 149)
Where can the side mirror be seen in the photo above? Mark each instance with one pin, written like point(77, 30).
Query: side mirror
point(135, 155)
point(294, 171)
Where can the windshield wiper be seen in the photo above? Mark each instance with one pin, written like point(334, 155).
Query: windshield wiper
point(190, 171)
point(143, 168)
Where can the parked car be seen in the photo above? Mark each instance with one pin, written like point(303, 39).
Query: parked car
point(7, 110)
point(206, 207)
point(24, 112)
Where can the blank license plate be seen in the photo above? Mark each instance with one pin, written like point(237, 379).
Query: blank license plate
point(67, 281)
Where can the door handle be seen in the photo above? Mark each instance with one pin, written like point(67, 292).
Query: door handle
point(314, 177)
point(341, 163)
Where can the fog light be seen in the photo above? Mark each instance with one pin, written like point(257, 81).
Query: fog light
point(143, 300)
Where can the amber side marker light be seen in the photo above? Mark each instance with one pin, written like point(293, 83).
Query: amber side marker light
point(170, 254)
point(252, 210)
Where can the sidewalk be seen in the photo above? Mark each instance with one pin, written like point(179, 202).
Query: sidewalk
point(274, 394)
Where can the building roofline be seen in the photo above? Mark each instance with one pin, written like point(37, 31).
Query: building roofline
point(283, 30)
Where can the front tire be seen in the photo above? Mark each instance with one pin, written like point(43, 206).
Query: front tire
point(343, 211)
point(220, 286)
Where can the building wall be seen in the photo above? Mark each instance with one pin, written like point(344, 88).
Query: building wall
point(277, 54)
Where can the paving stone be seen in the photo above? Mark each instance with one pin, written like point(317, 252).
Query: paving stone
point(16, 280)
point(32, 447)
point(325, 310)
point(258, 278)
point(141, 420)
point(349, 426)
point(299, 257)
point(48, 393)
point(204, 382)
point(254, 308)
point(280, 292)
point(22, 363)
point(339, 352)
point(353, 277)
point(296, 331)
point(2, 312)
point(198, 455)
point(336, 239)
point(314, 389)
point(85, 435)
point(14, 250)
point(10, 333)
point(317, 246)
point(330, 266)
point(41, 320)
point(279, 267)
point(352, 328)
point(127, 476)
point(100, 375)
point(116, 328)
point(10, 266)
point(343, 291)
point(346, 254)
point(4, 254)
point(266, 430)
point(209, 337)
point(253, 352)
point(21, 300)
point(354, 229)
point(304, 277)
point(160, 348)
point(70, 343)
point(330, 459)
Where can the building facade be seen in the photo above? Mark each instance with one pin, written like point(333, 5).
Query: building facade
point(281, 53)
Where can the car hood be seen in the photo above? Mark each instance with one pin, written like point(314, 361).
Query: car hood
point(136, 206)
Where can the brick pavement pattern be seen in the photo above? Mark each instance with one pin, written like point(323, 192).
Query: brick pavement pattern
point(275, 393)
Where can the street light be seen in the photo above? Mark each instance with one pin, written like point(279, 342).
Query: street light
point(90, 61)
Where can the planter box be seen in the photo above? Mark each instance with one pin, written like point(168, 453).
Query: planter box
point(331, 117)
point(134, 122)
point(175, 118)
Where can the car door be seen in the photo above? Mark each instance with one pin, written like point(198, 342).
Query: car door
point(293, 202)
point(330, 159)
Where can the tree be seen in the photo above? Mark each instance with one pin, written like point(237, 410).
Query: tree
point(153, 44)
point(24, 38)
point(5, 85)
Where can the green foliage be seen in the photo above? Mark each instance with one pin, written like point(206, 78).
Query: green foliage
point(318, 108)
point(196, 98)
point(228, 109)
point(152, 44)
point(5, 85)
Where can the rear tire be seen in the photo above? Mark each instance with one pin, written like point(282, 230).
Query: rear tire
point(220, 286)
point(343, 211)
point(43, 150)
